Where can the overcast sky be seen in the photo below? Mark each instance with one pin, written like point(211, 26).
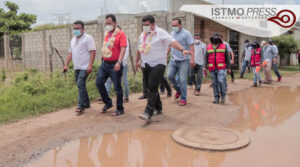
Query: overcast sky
point(90, 9)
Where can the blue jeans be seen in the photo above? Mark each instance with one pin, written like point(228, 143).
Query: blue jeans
point(275, 69)
point(124, 81)
point(180, 67)
point(106, 71)
point(218, 77)
point(83, 97)
point(256, 75)
point(190, 82)
point(244, 66)
point(198, 69)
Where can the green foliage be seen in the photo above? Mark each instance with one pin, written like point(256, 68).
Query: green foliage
point(286, 45)
point(3, 75)
point(32, 93)
point(11, 22)
point(48, 27)
point(135, 84)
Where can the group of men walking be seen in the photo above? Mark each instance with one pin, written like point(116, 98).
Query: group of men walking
point(190, 58)
point(254, 55)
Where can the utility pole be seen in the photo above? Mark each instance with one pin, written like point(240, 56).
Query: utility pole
point(63, 18)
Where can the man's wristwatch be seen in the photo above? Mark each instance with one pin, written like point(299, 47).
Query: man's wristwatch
point(119, 62)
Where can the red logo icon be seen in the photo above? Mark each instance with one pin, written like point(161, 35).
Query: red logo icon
point(284, 18)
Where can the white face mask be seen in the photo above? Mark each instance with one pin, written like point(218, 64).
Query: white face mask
point(108, 28)
point(197, 41)
point(146, 28)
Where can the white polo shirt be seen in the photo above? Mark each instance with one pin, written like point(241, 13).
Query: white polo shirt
point(159, 45)
point(80, 49)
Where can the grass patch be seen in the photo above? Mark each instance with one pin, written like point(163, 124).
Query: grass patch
point(32, 93)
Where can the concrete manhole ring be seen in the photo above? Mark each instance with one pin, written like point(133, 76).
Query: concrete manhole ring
point(211, 138)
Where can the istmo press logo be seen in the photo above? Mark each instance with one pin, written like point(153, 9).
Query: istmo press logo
point(258, 20)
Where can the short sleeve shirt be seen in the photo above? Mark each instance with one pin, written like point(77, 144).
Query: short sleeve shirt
point(158, 50)
point(120, 41)
point(80, 49)
point(185, 38)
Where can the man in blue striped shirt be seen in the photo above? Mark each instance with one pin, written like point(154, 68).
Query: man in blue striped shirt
point(180, 63)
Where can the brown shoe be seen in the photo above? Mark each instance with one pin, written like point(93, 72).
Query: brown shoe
point(126, 99)
point(197, 93)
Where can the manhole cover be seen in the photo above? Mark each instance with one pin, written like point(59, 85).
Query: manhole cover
point(211, 138)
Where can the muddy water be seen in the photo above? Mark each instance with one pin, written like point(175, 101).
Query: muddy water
point(269, 116)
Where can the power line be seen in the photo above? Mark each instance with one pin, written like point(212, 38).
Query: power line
point(63, 18)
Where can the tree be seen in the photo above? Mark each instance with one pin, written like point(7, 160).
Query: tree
point(286, 46)
point(11, 22)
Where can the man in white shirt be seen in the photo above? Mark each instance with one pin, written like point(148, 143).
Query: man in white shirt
point(82, 52)
point(152, 48)
point(200, 50)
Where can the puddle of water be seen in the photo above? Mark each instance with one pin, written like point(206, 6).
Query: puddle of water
point(269, 116)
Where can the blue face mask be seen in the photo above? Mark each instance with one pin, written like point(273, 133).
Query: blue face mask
point(175, 29)
point(77, 33)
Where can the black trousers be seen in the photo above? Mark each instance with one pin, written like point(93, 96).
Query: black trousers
point(232, 74)
point(164, 84)
point(145, 84)
point(153, 77)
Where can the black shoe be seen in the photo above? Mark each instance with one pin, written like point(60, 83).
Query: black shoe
point(143, 97)
point(145, 116)
point(87, 106)
point(157, 112)
point(241, 76)
point(223, 100)
point(117, 113)
point(217, 101)
point(106, 107)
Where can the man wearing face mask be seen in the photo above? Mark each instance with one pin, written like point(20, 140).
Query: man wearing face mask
point(268, 52)
point(82, 52)
point(113, 50)
point(152, 48)
point(200, 50)
point(180, 63)
point(217, 61)
point(275, 61)
point(246, 56)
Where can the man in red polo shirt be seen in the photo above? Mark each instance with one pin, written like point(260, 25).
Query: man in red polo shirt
point(113, 50)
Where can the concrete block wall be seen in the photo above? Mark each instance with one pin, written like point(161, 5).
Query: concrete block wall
point(33, 50)
point(37, 49)
point(61, 41)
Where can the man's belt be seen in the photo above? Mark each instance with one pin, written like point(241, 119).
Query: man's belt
point(110, 62)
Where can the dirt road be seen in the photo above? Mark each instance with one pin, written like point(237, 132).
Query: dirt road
point(25, 140)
